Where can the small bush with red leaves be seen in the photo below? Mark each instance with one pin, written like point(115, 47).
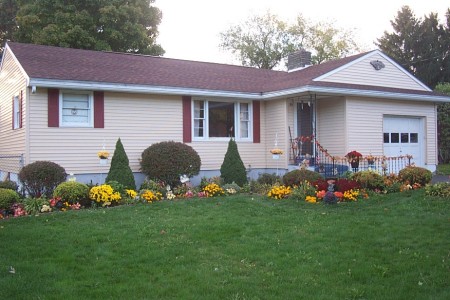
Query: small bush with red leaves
point(40, 178)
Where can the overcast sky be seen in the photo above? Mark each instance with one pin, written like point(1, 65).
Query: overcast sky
point(190, 28)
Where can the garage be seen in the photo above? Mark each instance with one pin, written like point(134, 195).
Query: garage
point(404, 136)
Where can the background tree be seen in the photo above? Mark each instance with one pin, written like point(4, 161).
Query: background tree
point(265, 41)
point(326, 42)
point(8, 11)
point(112, 25)
point(444, 125)
point(120, 170)
point(421, 46)
point(261, 41)
point(233, 169)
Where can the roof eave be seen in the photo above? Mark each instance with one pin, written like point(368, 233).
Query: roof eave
point(332, 91)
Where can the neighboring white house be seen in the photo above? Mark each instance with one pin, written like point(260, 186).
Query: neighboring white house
point(64, 105)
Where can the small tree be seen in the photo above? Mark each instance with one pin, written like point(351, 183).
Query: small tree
point(120, 170)
point(233, 169)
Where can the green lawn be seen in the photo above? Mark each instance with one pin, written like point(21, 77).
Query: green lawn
point(443, 169)
point(242, 247)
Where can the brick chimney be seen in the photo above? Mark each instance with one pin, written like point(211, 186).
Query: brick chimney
point(299, 60)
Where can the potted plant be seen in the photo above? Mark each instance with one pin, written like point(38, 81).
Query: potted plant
point(103, 155)
point(276, 153)
point(353, 158)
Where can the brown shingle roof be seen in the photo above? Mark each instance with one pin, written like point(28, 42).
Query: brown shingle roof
point(47, 62)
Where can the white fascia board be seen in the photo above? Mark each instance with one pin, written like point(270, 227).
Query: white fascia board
point(85, 85)
point(144, 89)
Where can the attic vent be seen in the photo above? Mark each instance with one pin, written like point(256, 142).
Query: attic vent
point(299, 59)
point(377, 65)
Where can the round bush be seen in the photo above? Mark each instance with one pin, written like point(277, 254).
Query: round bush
point(166, 161)
point(7, 198)
point(369, 180)
point(72, 192)
point(413, 174)
point(298, 176)
point(40, 178)
point(8, 184)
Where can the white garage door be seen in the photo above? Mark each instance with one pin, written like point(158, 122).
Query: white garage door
point(403, 136)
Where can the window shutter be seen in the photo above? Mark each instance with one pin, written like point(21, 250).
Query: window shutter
point(187, 120)
point(53, 107)
point(256, 122)
point(20, 108)
point(99, 110)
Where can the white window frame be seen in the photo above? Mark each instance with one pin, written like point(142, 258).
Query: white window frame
point(16, 112)
point(90, 122)
point(237, 121)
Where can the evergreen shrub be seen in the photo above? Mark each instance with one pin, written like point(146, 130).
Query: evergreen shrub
point(72, 192)
point(120, 170)
point(40, 178)
point(233, 169)
point(7, 198)
point(167, 161)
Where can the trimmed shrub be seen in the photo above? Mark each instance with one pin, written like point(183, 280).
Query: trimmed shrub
point(120, 170)
point(72, 192)
point(413, 174)
point(266, 178)
point(233, 169)
point(296, 177)
point(369, 180)
point(166, 161)
point(7, 198)
point(8, 184)
point(40, 178)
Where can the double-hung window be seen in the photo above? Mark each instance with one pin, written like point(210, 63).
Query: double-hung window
point(221, 119)
point(76, 109)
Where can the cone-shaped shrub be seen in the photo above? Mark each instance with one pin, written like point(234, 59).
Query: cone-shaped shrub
point(120, 170)
point(233, 169)
point(166, 161)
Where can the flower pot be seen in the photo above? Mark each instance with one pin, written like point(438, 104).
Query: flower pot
point(355, 164)
point(276, 156)
point(103, 161)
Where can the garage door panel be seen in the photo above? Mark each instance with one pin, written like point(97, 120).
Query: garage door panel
point(403, 136)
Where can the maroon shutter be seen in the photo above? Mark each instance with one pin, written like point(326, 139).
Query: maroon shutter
point(99, 110)
point(187, 120)
point(256, 122)
point(20, 108)
point(53, 107)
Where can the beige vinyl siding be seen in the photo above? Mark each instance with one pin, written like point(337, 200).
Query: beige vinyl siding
point(139, 120)
point(12, 82)
point(277, 128)
point(331, 125)
point(365, 124)
point(363, 73)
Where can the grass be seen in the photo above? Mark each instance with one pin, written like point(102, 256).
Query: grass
point(443, 169)
point(242, 247)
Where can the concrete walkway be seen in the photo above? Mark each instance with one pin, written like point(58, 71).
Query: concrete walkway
point(440, 178)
